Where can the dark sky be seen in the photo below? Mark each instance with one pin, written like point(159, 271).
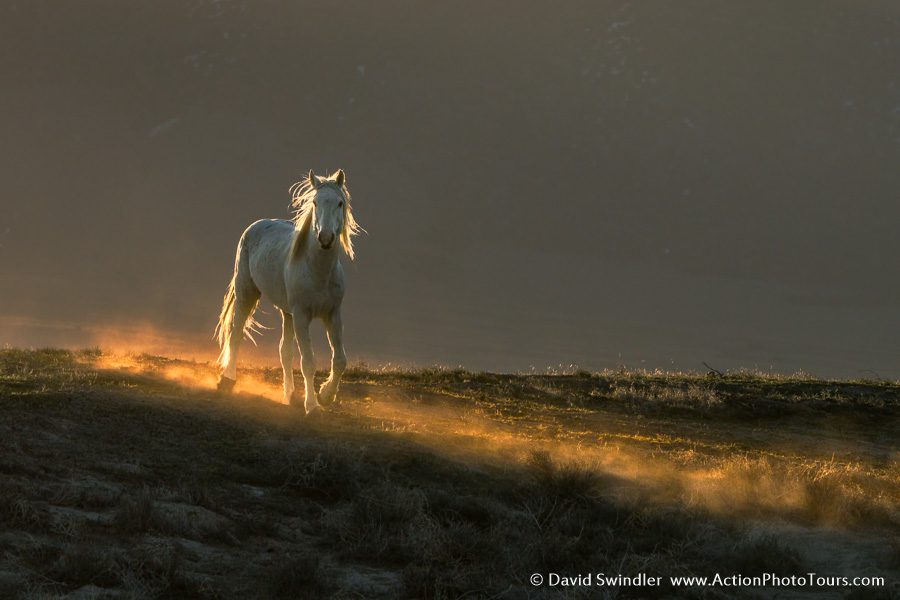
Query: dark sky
point(650, 183)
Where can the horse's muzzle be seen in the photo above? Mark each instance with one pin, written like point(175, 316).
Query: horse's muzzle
point(326, 241)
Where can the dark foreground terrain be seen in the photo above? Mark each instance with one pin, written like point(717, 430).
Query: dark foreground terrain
point(127, 477)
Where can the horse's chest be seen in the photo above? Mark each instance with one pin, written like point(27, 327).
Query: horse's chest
point(320, 300)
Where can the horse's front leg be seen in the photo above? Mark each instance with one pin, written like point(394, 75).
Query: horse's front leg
point(286, 351)
point(335, 329)
point(307, 360)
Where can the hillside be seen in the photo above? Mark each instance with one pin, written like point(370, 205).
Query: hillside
point(126, 476)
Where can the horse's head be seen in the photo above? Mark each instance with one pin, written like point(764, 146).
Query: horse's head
point(323, 209)
point(329, 207)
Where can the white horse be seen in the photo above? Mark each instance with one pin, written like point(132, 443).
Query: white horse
point(295, 265)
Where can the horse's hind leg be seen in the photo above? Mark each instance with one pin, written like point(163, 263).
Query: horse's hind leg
point(246, 297)
point(286, 348)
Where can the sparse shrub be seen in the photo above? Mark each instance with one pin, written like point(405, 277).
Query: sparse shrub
point(39, 554)
point(18, 511)
point(135, 513)
point(386, 520)
point(460, 559)
point(154, 570)
point(92, 497)
point(176, 521)
point(451, 505)
point(564, 482)
point(85, 563)
point(260, 524)
point(390, 503)
point(200, 493)
point(565, 523)
point(334, 472)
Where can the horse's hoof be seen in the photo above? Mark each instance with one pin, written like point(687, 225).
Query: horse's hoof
point(316, 410)
point(225, 385)
point(326, 396)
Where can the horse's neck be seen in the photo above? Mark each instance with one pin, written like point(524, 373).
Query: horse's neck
point(321, 262)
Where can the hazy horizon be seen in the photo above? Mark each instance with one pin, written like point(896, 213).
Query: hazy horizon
point(595, 183)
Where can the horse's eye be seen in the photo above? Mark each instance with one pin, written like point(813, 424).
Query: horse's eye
point(340, 204)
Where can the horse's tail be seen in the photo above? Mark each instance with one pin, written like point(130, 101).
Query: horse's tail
point(226, 317)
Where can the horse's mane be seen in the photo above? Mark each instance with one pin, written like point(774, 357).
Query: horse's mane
point(302, 195)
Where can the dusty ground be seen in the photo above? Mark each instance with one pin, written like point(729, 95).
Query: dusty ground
point(128, 477)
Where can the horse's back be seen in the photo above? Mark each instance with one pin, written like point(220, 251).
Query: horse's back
point(266, 230)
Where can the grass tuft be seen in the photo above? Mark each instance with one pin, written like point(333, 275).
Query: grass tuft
point(135, 513)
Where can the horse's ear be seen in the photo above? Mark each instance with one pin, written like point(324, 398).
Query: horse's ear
point(311, 177)
point(339, 177)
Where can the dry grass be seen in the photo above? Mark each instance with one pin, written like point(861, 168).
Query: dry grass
point(126, 477)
